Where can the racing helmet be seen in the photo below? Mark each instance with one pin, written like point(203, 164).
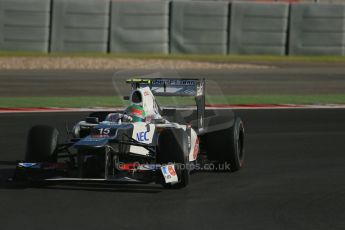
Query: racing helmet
point(137, 98)
point(136, 112)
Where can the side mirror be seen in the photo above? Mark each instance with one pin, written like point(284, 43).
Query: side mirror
point(92, 120)
point(126, 98)
point(158, 121)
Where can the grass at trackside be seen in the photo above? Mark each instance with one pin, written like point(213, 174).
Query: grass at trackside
point(18, 102)
point(207, 58)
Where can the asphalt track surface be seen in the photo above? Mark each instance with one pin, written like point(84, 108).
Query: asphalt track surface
point(297, 79)
point(294, 178)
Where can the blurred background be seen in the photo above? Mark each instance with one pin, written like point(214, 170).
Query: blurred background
point(305, 27)
point(67, 52)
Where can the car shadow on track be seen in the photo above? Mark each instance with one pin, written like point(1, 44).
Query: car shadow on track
point(7, 172)
point(125, 188)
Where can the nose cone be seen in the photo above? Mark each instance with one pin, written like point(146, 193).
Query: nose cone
point(101, 134)
point(91, 142)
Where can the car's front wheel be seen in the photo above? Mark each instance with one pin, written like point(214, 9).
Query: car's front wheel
point(173, 148)
point(42, 141)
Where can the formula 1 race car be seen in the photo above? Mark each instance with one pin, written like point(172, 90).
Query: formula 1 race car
point(163, 148)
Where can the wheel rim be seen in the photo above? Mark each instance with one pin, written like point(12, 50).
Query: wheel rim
point(240, 145)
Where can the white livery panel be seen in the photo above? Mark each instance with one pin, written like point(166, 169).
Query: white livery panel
point(143, 133)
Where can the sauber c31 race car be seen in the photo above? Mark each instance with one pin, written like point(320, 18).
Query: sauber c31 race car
point(164, 148)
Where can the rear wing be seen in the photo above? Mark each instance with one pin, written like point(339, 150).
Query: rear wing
point(176, 87)
point(171, 87)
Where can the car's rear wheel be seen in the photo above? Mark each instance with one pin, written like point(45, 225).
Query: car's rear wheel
point(173, 148)
point(226, 146)
point(41, 144)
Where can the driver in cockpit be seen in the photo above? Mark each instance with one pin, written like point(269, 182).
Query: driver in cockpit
point(133, 113)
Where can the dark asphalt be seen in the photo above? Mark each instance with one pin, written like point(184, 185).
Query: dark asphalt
point(283, 79)
point(294, 178)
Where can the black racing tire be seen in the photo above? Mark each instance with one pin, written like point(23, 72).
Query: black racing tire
point(173, 148)
point(227, 146)
point(41, 145)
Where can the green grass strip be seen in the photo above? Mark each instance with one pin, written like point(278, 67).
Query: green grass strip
point(206, 58)
point(107, 101)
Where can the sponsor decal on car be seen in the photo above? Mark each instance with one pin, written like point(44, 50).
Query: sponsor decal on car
point(169, 173)
point(29, 165)
point(196, 149)
point(94, 138)
point(171, 170)
point(149, 167)
point(99, 136)
point(142, 136)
